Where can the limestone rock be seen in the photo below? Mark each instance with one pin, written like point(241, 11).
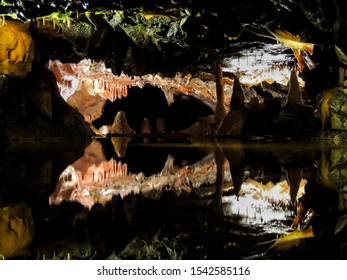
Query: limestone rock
point(120, 124)
point(90, 106)
point(16, 48)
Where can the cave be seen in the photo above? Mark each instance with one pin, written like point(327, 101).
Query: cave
point(148, 104)
point(201, 129)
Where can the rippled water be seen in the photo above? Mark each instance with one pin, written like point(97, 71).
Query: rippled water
point(173, 198)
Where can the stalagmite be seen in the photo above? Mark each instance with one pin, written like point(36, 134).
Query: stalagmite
point(294, 93)
point(221, 108)
point(120, 125)
point(233, 122)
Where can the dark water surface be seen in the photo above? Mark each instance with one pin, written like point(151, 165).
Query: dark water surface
point(157, 198)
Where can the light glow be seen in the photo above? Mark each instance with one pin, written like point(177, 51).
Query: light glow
point(256, 65)
point(261, 204)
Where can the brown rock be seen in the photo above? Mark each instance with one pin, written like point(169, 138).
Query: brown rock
point(120, 124)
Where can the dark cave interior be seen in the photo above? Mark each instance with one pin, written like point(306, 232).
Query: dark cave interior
point(150, 103)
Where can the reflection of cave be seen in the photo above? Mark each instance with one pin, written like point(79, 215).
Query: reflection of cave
point(150, 159)
point(150, 103)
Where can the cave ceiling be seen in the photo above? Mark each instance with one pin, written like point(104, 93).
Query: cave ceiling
point(166, 36)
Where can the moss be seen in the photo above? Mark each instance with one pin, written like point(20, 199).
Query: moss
point(156, 29)
point(59, 19)
point(113, 18)
point(4, 3)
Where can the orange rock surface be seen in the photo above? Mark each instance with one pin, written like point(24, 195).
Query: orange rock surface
point(16, 48)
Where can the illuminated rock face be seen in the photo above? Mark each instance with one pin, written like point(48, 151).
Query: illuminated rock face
point(16, 48)
point(87, 85)
point(88, 105)
point(90, 77)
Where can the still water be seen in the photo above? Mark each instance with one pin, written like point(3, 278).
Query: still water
point(159, 198)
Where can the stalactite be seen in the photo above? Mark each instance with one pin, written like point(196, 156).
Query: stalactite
point(113, 90)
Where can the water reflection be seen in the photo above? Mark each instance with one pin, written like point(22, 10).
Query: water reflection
point(184, 193)
point(221, 164)
point(95, 179)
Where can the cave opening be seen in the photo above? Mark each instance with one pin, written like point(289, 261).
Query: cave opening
point(148, 112)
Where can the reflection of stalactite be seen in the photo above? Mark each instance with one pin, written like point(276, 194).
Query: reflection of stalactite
point(74, 186)
point(98, 174)
point(95, 173)
point(108, 170)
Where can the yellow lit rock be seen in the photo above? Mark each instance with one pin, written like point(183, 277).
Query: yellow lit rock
point(16, 230)
point(291, 240)
point(16, 48)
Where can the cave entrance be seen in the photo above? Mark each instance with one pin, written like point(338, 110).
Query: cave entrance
point(147, 111)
